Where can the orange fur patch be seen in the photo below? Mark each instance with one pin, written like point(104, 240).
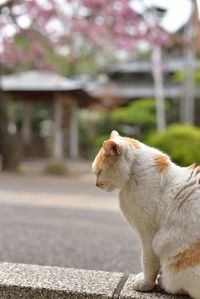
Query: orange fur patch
point(162, 162)
point(134, 143)
point(188, 258)
point(197, 169)
point(100, 158)
point(192, 166)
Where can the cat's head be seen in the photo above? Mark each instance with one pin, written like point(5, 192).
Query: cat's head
point(112, 165)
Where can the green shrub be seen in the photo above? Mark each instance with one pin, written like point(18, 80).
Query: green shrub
point(141, 116)
point(181, 142)
point(140, 112)
point(56, 168)
point(99, 140)
point(93, 127)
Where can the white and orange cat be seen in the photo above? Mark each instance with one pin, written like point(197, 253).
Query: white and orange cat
point(161, 201)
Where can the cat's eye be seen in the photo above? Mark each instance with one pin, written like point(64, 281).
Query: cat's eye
point(98, 173)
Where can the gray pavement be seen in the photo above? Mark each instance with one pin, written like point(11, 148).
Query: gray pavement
point(64, 222)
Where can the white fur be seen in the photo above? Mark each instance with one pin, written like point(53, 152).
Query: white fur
point(164, 210)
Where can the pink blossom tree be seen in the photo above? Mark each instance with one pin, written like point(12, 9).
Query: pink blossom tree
point(34, 23)
point(115, 24)
point(107, 25)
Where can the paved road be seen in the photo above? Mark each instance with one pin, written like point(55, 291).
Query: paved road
point(64, 222)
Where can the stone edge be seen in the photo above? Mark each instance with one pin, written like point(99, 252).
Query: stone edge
point(15, 284)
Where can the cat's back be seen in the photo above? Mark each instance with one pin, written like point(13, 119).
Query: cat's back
point(184, 188)
point(180, 219)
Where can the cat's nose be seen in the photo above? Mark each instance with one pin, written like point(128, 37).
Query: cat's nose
point(97, 184)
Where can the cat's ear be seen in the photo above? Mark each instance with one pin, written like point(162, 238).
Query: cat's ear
point(114, 134)
point(111, 148)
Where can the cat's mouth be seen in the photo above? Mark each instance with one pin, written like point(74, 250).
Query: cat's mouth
point(108, 188)
point(105, 188)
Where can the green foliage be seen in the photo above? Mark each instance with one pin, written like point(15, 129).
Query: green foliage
point(100, 139)
point(83, 62)
point(197, 77)
point(59, 63)
point(40, 114)
point(140, 115)
point(56, 168)
point(179, 77)
point(140, 112)
point(86, 61)
point(181, 142)
point(93, 127)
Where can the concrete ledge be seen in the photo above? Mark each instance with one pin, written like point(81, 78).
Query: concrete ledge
point(128, 293)
point(32, 281)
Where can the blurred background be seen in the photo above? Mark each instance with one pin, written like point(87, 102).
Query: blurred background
point(70, 72)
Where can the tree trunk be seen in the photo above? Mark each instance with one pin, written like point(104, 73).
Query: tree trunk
point(8, 146)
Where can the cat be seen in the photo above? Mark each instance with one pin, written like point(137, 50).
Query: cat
point(161, 201)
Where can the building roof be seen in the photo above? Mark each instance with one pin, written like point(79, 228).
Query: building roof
point(133, 91)
point(41, 86)
point(172, 64)
point(39, 81)
point(126, 92)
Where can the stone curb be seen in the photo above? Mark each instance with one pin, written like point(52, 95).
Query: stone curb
point(34, 282)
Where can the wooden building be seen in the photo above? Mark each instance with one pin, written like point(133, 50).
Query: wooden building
point(132, 80)
point(65, 95)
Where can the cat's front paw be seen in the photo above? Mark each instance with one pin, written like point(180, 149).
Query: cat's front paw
point(140, 284)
